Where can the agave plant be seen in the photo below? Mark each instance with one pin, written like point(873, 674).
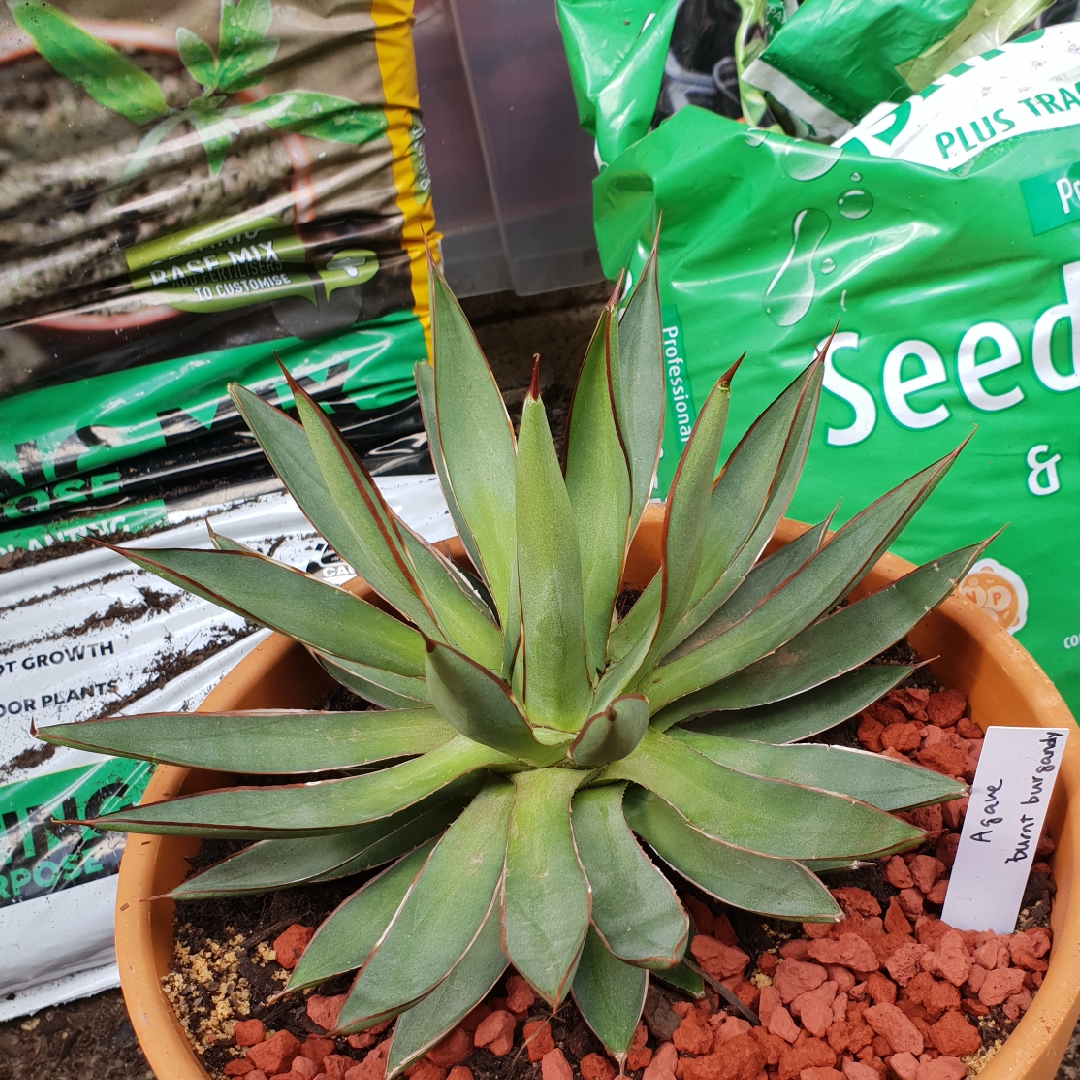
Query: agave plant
point(527, 738)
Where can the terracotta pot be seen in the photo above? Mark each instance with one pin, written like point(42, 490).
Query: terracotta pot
point(973, 653)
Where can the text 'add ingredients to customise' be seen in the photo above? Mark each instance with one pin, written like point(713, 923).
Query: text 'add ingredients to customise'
point(1015, 780)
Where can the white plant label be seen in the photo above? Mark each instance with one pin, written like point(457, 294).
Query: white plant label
point(1013, 784)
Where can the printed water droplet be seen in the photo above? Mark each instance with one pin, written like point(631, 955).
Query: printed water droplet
point(788, 297)
point(806, 160)
point(828, 265)
point(755, 137)
point(856, 177)
point(855, 204)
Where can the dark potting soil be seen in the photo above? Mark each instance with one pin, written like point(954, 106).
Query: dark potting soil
point(231, 938)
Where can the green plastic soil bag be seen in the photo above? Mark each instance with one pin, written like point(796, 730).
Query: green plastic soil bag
point(956, 299)
point(833, 60)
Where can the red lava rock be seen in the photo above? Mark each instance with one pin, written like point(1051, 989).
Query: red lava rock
point(942, 1068)
point(841, 976)
point(324, 1011)
point(999, 984)
point(950, 959)
point(856, 1070)
point(943, 758)
point(724, 932)
point(335, 1066)
point(911, 699)
point(938, 893)
point(881, 989)
point(727, 1028)
point(987, 953)
point(766, 963)
point(946, 707)
point(869, 734)
point(816, 1072)
point(768, 1003)
point(682, 1009)
point(373, 1067)
point(953, 1035)
point(851, 951)
point(905, 736)
point(815, 930)
point(925, 870)
point(664, 1063)
point(425, 1070)
point(904, 963)
point(889, 1021)
point(519, 995)
point(694, 1035)
point(814, 1008)
point(936, 997)
point(905, 1065)
point(460, 1072)
point(895, 919)
point(911, 903)
point(887, 714)
point(701, 914)
point(316, 1047)
point(290, 944)
point(1039, 941)
point(796, 949)
point(897, 873)
point(638, 1059)
point(1017, 1003)
point(276, 1054)
point(257, 1074)
point(453, 1050)
point(856, 901)
point(595, 1067)
point(794, 977)
point(238, 1067)
point(474, 1019)
point(554, 1066)
point(362, 1039)
point(717, 959)
point(496, 1033)
point(249, 1032)
point(772, 1046)
point(304, 1068)
point(976, 978)
point(741, 1059)
point(838, 1036)
point(813, 1052)
point(1022, 957)
point(780, 1023)
point(538, 1040)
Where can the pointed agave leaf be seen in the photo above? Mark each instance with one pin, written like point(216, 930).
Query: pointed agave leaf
point(598, 484)
point(610, 995)
point(476, 438)
point(545, 895)
point(422, 1027)
point(770, 817)
point(512, 633)
point(684, 536)
point(307, 809)
point(779, 887)
point(806, 714)
point(272, 594)
point(834, 645)
point(279, 864)
point(637, 385)
point(683, 979)
point(880, 781)
point(634, 908)
point(623, 671)
point(353, 929)
point(638, 627)
point(476, 703)
point(262, 741)
point(611, 734)
point(383, 688)
point(443, 913)
point(557, 687)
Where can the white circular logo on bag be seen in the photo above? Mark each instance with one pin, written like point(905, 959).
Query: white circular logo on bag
point(999, 591)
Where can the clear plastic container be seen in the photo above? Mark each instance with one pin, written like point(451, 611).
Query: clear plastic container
point(511, 168)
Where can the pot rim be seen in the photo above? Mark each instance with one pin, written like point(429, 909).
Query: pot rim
point(1003, 684)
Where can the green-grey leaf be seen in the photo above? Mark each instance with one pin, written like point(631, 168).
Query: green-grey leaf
point(634, 907)
point(302, 607)
point(197, 57)
point(264, 741)
point(480, 706)
point(770, 817)
point(353, 929)
point(477, 440)
point(545, 895)
point(806, 714)
point(610, 995)
point(611, 734)
point(384, 688)
point(779, 887)
point(880, 781)
point(307, 809)
point(108, 76)
point(557, 687)
point(841, 642)
point(598, 484)
point(279, 864)
point(442, 914)
point(683, 979)
point(637, 384)
point(423, 1026)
